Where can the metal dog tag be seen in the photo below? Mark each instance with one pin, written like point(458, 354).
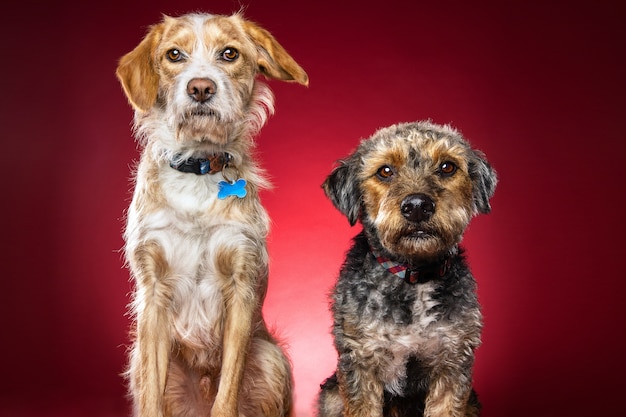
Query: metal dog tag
point(236, 188)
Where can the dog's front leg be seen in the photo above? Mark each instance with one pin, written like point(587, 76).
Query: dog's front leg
point(240, 277)
point(151, 351)
point(451, 385)
point(236, 341)
point(448, 395)
point(360, 387)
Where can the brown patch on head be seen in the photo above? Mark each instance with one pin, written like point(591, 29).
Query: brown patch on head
point(137, 71)
point(273, 60)
point(456, 188)
point(377, 164)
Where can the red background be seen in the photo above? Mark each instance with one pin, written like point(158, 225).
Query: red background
point(538, 86)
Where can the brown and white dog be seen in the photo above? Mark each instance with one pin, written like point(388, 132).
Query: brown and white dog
point(195, 234)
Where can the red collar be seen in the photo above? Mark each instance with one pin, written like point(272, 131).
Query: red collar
point(414, 275)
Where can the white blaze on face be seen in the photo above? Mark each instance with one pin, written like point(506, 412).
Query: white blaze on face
point(203, 45)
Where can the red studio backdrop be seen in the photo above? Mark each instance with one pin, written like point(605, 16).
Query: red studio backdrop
point(537, 85)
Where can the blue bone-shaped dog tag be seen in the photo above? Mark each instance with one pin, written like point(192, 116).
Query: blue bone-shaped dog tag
point(237, 188)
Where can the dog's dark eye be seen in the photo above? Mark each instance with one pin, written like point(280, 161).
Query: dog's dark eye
point(230, 54)
point(174, 55)
point(447, 169)
point(385, 172)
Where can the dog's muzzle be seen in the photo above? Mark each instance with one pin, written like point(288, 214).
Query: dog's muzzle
point(417, 208)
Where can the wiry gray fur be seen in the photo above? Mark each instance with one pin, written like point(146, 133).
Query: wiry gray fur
point(403, 349)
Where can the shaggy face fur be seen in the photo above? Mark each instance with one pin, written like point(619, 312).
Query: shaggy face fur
point(199, 262)
point(406, 346)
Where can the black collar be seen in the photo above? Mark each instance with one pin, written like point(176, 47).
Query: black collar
point(414, 275)
point(211, 164)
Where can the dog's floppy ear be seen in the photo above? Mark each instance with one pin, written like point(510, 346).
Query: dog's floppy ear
point(484, 179)
point(136, 71)
point(273, 60)
point(342, 188)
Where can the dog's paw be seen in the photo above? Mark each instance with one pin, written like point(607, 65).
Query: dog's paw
point(217, 411)
point(223, 407)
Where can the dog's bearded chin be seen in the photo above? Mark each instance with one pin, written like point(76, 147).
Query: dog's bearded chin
point(419, 243)
point(201, 112)
point(203, 124)
point(419, 234)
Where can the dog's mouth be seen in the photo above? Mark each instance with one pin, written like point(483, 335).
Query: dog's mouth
point(202, 111)
point(203, 124)
point(418, 243)
point(419, 234)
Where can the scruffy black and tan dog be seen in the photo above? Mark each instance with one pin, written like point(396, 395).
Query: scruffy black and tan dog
point(405, 310)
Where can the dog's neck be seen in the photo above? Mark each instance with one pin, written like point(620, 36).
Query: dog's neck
point(412, 274)
point(210, 164)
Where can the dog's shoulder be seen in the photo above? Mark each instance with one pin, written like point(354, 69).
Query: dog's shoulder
point(366, 292)
point(456, 290)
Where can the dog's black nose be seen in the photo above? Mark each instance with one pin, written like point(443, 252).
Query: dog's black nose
point(417, 208)
point(201, 89)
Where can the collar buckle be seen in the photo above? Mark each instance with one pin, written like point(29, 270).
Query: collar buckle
point(210, 164)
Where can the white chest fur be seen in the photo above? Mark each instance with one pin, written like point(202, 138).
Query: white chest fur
point(190, 193)
point(190, 228)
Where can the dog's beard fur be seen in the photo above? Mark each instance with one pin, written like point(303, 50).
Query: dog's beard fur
point(218, 120)
point(415, 243)
point(423, 246)
point(203, 124)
